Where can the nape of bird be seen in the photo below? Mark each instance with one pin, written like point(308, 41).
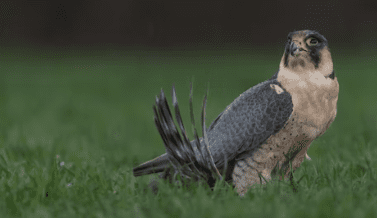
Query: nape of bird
point(264, 133)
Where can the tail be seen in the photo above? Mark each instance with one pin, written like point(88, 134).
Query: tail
point(157, 165)
point(188, 159)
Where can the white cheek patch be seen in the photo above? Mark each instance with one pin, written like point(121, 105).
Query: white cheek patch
point(277, 88)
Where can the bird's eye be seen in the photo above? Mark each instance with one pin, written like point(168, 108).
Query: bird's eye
point(312, 41)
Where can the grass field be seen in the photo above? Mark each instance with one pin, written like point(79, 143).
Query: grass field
point(74, 123)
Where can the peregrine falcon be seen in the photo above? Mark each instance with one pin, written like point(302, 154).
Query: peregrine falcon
point(265, 132)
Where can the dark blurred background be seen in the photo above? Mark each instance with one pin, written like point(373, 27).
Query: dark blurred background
point(82, 75)
point(196, 24)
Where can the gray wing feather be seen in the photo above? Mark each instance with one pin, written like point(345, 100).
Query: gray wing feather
point(249, 121)
point(244, 125)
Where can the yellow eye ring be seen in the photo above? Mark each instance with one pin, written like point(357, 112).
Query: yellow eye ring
point(312, 41)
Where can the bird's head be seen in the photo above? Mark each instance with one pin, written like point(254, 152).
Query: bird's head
point(307, 50)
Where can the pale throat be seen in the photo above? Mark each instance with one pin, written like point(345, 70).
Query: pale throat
point(325, 67)
point(306, 79)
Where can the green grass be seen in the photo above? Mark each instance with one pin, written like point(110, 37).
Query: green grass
point(93, 111)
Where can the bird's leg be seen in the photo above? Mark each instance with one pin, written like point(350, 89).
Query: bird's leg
point(307, 156)
point(247, 173)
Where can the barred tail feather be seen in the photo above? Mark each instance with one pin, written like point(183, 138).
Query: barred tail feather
point(157, 165)
point(189, 159)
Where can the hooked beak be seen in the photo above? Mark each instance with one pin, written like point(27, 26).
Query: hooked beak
point(295, 50)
